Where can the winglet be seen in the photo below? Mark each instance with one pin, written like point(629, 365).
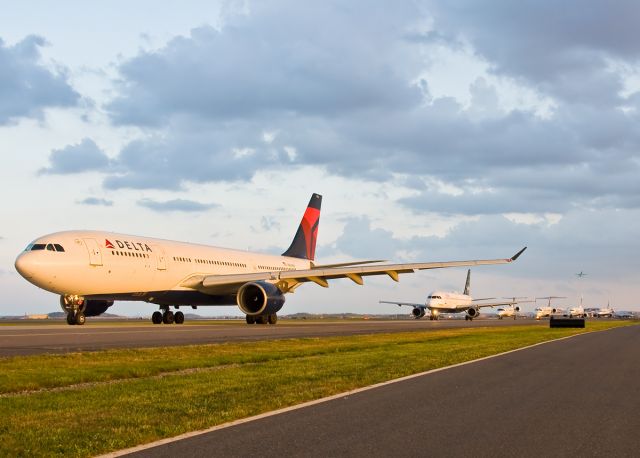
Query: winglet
point(515, 256)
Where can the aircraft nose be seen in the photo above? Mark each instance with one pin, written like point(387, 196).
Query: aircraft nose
point(24, 266)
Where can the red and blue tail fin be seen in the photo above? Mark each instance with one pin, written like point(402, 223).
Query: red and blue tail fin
point(304, 243)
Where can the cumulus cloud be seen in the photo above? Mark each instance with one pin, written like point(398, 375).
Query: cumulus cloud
point(82, 157)
point(282, 58)
point(359, 106)
point(27, 87)
point(96, 201)
point(175, 205)
point(564, 51)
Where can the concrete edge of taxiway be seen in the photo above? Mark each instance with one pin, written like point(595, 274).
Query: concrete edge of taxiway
point(188, 435)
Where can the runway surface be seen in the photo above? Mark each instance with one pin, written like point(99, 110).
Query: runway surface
point(574, 397)
point(45, 338)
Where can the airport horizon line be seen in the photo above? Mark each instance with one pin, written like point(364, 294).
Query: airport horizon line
point(345, 394)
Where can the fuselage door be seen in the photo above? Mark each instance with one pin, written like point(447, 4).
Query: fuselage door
point(95, 255)
point(161, 260)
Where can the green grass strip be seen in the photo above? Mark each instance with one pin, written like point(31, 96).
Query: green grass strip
point(96, 402)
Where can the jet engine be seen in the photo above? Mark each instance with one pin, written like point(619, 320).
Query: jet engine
point(260, 298)
point(418, 312)
point(473, 312)
point(516, 308)
point(92, 307)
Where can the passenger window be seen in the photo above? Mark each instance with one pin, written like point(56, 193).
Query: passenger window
point(58, 247)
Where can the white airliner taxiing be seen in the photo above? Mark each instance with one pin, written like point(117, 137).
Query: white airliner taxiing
point(511, 311)
point(604, 312)
point(544, 312)
point(451, 302)
point(92, 269)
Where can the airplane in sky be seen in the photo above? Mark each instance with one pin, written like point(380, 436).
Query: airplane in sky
point(544, 312)
point(451, 302)
point(92, 269)
point(581, 274)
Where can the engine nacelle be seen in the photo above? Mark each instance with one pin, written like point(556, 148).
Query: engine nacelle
point(90, 307)
point(516, 308)
point(473, 312)
point(418, 312)
point(259, 298)
point(95, 307)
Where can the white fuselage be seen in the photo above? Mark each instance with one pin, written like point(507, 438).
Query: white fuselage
point(604, 312)
point(545, 312)
point(125, 267)
point(506, 313)
point(577, 311)
point(448, 302)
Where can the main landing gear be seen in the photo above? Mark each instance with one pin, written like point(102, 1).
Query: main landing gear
point(262, 319)
point(167, 317)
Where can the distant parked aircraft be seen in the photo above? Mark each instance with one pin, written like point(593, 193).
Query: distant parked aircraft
point(511, 310)
point(543, 312)
point(451, 302)
point(604, 312)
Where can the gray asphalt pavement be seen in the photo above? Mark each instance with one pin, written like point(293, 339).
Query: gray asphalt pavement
point(46, 338)
point(575, 397)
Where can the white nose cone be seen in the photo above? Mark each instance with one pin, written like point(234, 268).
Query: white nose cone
point(24, 267)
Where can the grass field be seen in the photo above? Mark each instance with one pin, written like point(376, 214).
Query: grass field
point(82, 404)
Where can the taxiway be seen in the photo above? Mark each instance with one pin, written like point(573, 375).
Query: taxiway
point(571, 397)
point(46, 338)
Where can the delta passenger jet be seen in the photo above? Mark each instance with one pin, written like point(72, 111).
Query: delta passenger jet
point(92, 269)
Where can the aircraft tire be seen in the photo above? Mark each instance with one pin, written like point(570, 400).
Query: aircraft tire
point(272, 319)
point(71, 319)
point(251, 319)
point(178, 318)
point(167, 317)
point(80, 318)
point(261, 319)
point(156, 318)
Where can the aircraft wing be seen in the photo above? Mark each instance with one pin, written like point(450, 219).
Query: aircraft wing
point(291, 279)
point(495, 304)
point(410, 304)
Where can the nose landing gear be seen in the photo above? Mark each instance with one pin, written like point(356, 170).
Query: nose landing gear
point(74, 306)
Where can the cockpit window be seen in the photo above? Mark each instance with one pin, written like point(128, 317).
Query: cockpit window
point(50, 247)
point(58, 247)
point(37, 246)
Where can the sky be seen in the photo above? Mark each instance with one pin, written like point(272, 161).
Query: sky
point(435, 131)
